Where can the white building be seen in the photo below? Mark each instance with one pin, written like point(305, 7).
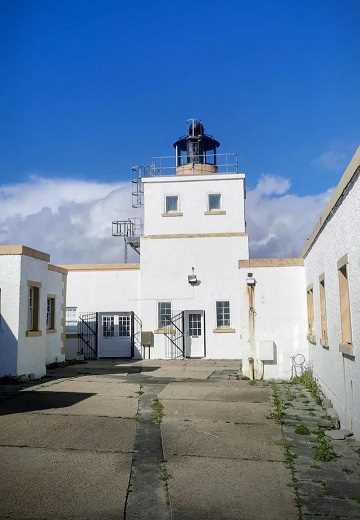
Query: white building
point(332, 266)
point(194, 287)
point(32, 299)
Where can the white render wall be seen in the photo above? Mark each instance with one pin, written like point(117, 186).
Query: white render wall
point(55, 346)
point(19, 353)
point(339, 375)
point(280, 307)
point(34, 353)
point(165, 266)
point(99, 291)
point(10, 269)
point(103, 290)
point(193, 193)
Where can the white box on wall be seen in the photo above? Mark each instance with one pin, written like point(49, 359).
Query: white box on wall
point(266, 349)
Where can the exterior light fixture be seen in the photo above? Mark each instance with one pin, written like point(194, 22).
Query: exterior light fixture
point(192, 278)
point(250, 280)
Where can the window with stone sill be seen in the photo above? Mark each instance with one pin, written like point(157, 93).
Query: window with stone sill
point(164, 314)
point(171, 204)
point(345, 315)
point(33, 308)
point(222, 314)
point(214, 201)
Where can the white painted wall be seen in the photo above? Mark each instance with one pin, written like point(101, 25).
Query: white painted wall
point(100, 291)
point(55, 348)
point(10, 268)
point(338, 375)
point(280, 307)
point(165, 266)
point(35, 352)
point(20, 354)
point(193, 193)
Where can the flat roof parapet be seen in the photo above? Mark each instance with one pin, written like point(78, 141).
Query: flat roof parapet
point(19, 249)
point(100, 267)
point(270, 262)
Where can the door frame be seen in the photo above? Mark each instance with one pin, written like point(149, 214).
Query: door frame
point(186, 331)
point(99, 331)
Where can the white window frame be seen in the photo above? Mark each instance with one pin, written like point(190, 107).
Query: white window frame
point(220, 202)
point(223, 314)
point(164, 317)
point(108, 326)
point(70, 316)
point(177, 210)
point(124, 326)
point(195, 320)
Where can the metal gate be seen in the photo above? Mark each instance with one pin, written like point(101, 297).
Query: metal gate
point(88, 335)
point(136, 328)
point(174, 332)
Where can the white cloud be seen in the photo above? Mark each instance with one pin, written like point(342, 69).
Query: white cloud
point(278, 221)
point(71, 219)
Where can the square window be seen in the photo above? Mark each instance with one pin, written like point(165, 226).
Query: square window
point(223, 314)
point(171, 203)
point(214, 201)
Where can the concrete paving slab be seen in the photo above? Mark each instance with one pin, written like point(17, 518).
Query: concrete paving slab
point(181, 373)
point(67, 432)
point(210, 489)
point(42, 484)
point(107, 387)
point(207, 439)
point(100, 406)
point(70, 403)
point(237, 391)
point(217, 411)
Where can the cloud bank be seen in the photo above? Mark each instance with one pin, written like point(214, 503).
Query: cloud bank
point(279, 221)
point(71, 219)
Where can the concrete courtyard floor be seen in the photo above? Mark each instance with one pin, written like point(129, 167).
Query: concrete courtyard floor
point(151, 439)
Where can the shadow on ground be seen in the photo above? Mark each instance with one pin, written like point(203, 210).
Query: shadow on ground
point(31, 401)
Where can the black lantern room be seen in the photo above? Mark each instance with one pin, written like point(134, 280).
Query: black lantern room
point(196, 147)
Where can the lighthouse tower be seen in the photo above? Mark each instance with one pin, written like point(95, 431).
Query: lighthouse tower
point(194, 236)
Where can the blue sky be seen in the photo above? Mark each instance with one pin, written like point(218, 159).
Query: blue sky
point(90, 88)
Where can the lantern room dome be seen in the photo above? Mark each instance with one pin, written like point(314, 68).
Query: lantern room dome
point(196, 147)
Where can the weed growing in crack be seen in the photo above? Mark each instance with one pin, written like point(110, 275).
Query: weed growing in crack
point(302, 429)
point(157, 411)
point(310, 384)
point(279, 405)
point(324, 451)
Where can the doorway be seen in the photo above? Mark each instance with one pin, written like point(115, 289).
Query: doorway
point(194, 324)
point(115, 335)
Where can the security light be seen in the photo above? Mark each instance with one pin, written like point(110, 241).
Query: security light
point(192, 278)
point(250, 280)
